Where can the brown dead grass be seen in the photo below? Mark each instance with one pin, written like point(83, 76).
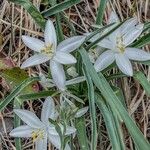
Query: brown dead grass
point(14, 21)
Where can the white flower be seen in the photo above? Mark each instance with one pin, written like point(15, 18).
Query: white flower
point(49, 50)
point(40, 130)
point(117, 44)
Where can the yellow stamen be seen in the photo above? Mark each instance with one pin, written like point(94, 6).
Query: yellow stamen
point(120, 45)
point(38, 134)
point(48, 50)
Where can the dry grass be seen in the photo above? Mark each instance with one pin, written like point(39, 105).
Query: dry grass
point(14, 21)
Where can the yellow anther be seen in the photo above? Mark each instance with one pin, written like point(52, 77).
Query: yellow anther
point(38, 134)
point(120, 45)
point(48, 50)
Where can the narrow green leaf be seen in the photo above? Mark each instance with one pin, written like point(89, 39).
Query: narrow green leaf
point(111, 124)
point(32, 10)
point(81, 133)
point(144, 40)
point(60, 7)
point(101, 10)
point(16, 91)
point(91, 99)
point(59, 31)
point(146, 27)
point(33, 96)
point(119, 94)
point(113, 101)
point(17, 122)
point(143, 81)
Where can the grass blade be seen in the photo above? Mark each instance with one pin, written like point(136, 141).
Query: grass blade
point(143, 81)
point(32, 10)
point(60, 7)
point(81, 133)
point(33, 96)
point(16, 91)
point(17, 123)
point(101, 10)
point(112, 124)
point(91, 98)
point(104, 87)
point(144, 40)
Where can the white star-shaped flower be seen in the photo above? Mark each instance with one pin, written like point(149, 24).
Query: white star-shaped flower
point(49, 50)
point(118, 47)
point(41, 130)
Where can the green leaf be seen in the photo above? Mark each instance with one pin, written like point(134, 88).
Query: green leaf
point(93, 115)
point(15, 76)
point(17, 123)
point(115, 104)
point(101, 10)
point(146, 27)
point(16, 91)
point(60, 7)
point(33, 96)
point(32, 10)
point(144, 40)
point(112, 124)
point(143, 81)
point(59, 31)
point(81, 133)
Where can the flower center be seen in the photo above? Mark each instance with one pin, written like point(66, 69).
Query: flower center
point(120, 45)
point(48, 50)
point(38, 134)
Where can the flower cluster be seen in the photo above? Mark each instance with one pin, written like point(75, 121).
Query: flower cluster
point(117, 48)
point(42, 131)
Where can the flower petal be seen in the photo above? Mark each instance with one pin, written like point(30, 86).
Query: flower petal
point(132, 34)
point(48, 110)
point(113, 18)
point(35, 60)
point(137, 54)
point(22, 131)
point(71, 44)
point(55, 140)
point(29, 118)
point(58, 74)
point(64, 58)
point(124, 64)
point(41, 144)
point(81, 112)
point(33, 43)
point(104, 60)
point(50, 34)
point(106, 43)
point(127, 25)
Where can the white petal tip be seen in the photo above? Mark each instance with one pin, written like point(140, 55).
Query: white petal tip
point(140, 26)
point(24, 37)
point(23, 66)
